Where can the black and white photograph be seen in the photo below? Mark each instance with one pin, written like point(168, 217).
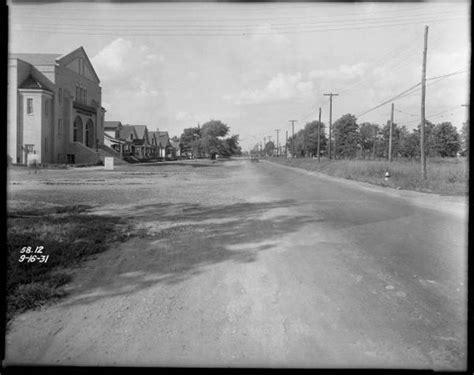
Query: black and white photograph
point(237, 184)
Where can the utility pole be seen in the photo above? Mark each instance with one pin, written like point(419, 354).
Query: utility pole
point(319, 135)
point(330, 120)
point(390, 136)
point(278, 150)
point(292, 138)
point(423, 95)
point(375, 140)
point(286, 145)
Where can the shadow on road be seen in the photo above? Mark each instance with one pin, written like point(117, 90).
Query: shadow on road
point(177, 241)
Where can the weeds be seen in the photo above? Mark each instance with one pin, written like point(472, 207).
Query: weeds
point(67, 235)
point(445, 176)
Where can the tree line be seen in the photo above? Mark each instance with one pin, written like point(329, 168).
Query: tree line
point(209, 140)
point(371, 141)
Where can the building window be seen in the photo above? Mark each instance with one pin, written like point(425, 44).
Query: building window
point(60, 128)
point(78, 93)
point(60, 95)
point(74, 132)
point(29, 106)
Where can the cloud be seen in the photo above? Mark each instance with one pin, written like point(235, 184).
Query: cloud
point(342, 73)
point(121, 58)
point(280, 87)
point(129, 81)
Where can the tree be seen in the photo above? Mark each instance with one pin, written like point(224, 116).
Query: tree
point(208, 140)
point(446, 139)
point(347, 135)
point(430, 145)
point(230, 146)
point(411, 145)
point(309, 138)
point(465, 137)
point(269, 148)
point(189, 141)
point(368, 138)
point(214, 129)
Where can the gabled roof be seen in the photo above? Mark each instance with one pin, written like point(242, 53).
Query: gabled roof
point(153, 135)
point(140, 130)
point(82, 50)
point(37, 58)
point(163, 138)
point(175, 144)
point(126, 130)
point(111, 125)
point(32, 83)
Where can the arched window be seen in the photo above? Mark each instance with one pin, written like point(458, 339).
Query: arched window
point(89, 133)
point(77, 130)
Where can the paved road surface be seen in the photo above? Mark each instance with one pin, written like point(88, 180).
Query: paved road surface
point(257, 265)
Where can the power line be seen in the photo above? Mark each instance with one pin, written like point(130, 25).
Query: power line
point(194, 11)
point(171, 32)
point(389, 100)
point(349, 21)
point(447, 75)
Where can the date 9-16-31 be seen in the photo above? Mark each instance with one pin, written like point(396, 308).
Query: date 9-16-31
point(32, 257)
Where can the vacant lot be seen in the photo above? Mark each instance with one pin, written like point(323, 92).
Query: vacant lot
point(445, 176)
point(57, 209)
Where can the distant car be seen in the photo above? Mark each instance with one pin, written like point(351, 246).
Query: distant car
point(254, 158)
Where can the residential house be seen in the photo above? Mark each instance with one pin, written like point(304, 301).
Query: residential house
point(165, 148)
point(112, 135)
point(141, 143)
point(54, 108)
point(154, 142)
point(176, 147)
point(127, 134)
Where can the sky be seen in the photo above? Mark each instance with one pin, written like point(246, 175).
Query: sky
point(256, 66)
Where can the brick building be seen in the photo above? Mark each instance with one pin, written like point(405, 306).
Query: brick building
point(54, 108)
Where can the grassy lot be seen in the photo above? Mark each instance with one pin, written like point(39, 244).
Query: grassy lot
point(445, 176)
point(67, 234)
point(53, 209)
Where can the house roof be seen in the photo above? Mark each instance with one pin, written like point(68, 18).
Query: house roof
point(163, 138)
point(126, 130)
point(175, 144)
point(82, 50)
point(32, 83)
point(153, 135)
point(140, 130)
point(110, 125)
point(37, 58)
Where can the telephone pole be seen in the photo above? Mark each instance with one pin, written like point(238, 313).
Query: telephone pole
point(277, 147)
point(423, 95)
point(330, 120)
point(375, 141)
point(319, 135)
point(292, 138)
point(390, 136)
point(286, 145)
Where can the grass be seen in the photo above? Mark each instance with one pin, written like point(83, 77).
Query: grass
point(445, 176)
point(68, 235)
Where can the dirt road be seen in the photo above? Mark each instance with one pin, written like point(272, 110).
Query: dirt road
point(250, 264)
